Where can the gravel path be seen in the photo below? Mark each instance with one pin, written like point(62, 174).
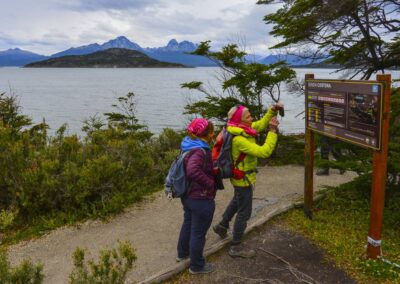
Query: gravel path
point(153, 226)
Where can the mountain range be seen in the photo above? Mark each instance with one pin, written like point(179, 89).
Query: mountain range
point(174, 52)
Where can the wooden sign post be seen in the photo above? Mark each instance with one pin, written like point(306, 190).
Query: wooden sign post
point(308, 162)
point(379, 176)
point(356, 112)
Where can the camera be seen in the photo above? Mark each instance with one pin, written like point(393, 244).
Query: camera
point(282, 112)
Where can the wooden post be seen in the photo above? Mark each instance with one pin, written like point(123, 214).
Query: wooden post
point(379, 177)
point(308, 161)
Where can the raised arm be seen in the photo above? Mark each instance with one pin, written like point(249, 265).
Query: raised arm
point(261, 125)
point(252, 149)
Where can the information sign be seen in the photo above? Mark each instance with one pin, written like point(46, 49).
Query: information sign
point(347, 110)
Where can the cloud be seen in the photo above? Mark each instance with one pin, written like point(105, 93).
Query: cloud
point(100, 5)
point(49, 26)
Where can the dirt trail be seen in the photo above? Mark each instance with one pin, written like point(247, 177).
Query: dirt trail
point(153, 226)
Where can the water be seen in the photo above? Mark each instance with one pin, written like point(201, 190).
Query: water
point(71, 95)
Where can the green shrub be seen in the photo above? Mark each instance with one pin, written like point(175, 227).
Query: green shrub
point(7, 218)
point(289, 151)
point(111, 268)
point(25, 273)
point(65, 177)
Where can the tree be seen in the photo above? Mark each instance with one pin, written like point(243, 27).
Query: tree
point(363, 36)
point(360, 35)
point(10, 115)
point(125, 116)
point(243, 82)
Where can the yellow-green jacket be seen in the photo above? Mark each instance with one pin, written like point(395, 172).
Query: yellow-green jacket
point(245, 143)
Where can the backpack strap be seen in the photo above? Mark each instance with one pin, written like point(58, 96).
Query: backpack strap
point(245, 173)
point(240, 159)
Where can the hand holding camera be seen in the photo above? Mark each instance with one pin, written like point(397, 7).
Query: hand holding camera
point(279, 107)
point(273, 125)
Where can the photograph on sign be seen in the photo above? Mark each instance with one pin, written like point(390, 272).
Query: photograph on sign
point(363, 112)
point(347, 110)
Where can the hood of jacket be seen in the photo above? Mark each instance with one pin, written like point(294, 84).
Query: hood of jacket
point(189, 144)
point(234, 130)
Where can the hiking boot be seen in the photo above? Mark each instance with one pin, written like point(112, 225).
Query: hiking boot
point(179, 259)
point(241, 251)
point(207, 268)
point(323, 172)
point(220, 231)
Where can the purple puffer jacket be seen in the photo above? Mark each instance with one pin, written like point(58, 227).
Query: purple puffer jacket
point(199, 171)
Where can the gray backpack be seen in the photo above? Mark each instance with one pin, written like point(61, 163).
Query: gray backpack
point(176, 183)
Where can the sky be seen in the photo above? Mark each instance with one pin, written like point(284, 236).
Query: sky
point(50, 26)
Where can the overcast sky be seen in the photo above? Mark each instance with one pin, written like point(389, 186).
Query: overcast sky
point(49, 26)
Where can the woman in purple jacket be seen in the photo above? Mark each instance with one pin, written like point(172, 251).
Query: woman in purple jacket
point(198, 204)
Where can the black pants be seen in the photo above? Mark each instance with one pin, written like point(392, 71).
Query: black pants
point(328, 146)
point(197, 218)
point(241, 204)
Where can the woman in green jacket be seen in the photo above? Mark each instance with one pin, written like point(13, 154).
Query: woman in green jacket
point(241, 125)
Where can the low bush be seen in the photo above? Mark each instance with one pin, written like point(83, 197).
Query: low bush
point(24, 273)
point(64, 178)
point(111, 268)
point(289, 151)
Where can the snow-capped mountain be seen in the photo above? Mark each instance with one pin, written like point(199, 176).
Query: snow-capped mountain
point(174, 51)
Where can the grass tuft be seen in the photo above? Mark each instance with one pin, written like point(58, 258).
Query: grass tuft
point(340, 226)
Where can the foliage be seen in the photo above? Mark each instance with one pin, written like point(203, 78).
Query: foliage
point(394, 138)
point(24, 273)
point(340, 226)
point(360, 35)
point(112, 267)
point(7, 218)
point(10, 115)
point(49, 181)
point(243, 82)
point(125, 117)
point(289, 151)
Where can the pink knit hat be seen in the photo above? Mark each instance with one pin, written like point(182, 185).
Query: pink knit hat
point(236, 114)
point(197, 126)
point(235, 119)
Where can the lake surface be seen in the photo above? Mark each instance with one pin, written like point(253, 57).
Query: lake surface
point(71, 95)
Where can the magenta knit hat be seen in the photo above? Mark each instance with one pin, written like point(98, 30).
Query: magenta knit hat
point(237, 114)
point(197, 126)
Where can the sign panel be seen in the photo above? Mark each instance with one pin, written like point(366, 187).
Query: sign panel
point(348, 110)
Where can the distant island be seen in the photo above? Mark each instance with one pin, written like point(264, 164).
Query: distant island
point(320, 65)
point(110, 58)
